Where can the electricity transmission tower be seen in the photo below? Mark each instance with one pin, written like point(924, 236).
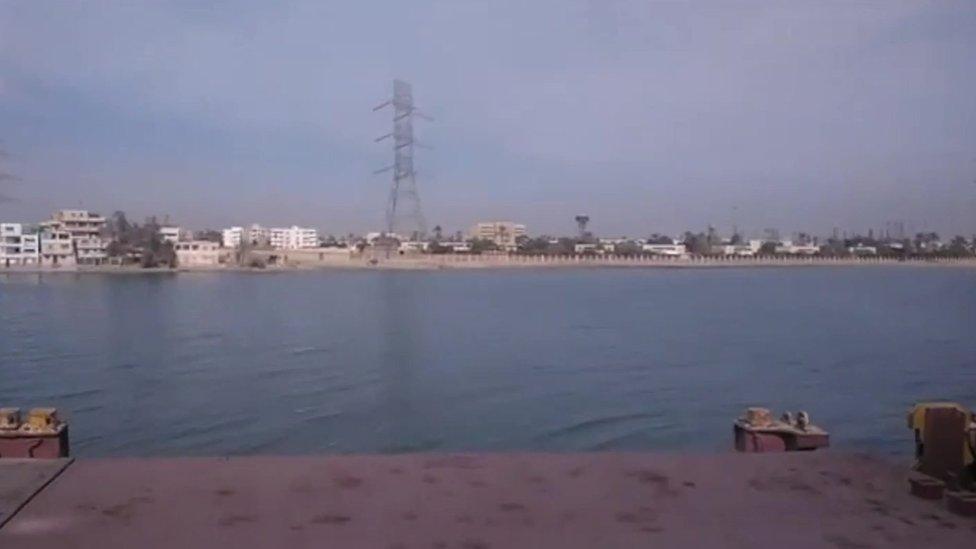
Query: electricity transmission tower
point(5, 177)
point(403, 211)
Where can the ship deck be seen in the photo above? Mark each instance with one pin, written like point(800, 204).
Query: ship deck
point(475, 501)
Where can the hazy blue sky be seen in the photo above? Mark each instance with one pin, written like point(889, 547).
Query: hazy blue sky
point(646, 116)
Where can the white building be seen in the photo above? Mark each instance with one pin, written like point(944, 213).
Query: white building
point(788, 247)
point(736, 250)
point(503, 233)
point(258, 235)
point(18, 248)
point(170, 234)
point(57, 249)
point(197, 253)
point(84, 230)
point(863, 250)
point(413, 246)
point(255, 235)
point(670, 250)
point(610, 245)
point(231, 238)
point(456, 247)
point(294, 238)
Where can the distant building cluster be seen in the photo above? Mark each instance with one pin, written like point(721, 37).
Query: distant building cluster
point(711, 244)
point(70, 237)
point(82, 238)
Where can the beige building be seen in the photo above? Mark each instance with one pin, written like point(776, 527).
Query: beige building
point(197, 253)
point(77, 222)
point(84, 230)
point(503, 233)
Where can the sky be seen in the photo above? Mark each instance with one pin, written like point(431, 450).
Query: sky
point(646, 116)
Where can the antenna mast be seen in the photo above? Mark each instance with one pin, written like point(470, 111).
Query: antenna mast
point(403, 208)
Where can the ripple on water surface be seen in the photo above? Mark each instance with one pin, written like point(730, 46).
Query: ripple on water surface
point(515, 360)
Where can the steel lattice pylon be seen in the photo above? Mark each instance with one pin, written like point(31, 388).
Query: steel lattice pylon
point(403, 212)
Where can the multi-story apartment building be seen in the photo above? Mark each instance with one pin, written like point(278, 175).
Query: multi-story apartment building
point(255, 235)
point(18, 247)
point(76, 222)
point(30, 249)
point(258, 235)
point(90, 250)
point(84, 230)
point(57, 249)
point(231, 238)
point(294, 238)
point(503, 233)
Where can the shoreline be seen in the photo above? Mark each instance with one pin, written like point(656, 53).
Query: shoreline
point(447, 263)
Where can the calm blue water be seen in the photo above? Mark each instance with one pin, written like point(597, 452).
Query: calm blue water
point(589, 359)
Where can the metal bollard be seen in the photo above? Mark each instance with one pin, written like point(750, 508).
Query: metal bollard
point(42, 436)
point(757, 432)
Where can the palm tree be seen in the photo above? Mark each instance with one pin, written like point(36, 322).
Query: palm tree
point(581, 221)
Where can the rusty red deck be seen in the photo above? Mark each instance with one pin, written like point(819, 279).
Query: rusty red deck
point(486, 501)
point(22, 479)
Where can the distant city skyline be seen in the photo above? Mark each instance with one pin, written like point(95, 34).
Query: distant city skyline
point(647, 117)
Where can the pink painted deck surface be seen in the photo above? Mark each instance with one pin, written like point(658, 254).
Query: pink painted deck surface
point(486, 501)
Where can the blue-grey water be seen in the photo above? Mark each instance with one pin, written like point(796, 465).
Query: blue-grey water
point(591, 359)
